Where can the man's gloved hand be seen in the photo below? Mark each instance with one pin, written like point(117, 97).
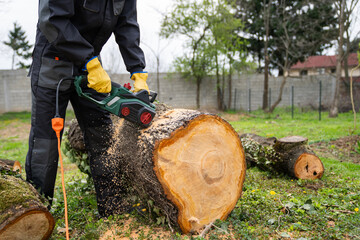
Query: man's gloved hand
point(98, 79)
point(140, 81)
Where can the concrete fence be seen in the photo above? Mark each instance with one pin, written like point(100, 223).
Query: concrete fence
point(247, 91)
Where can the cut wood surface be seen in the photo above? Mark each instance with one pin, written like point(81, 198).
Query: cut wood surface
point(22, 212)
point(13, 165)
point(290, 155)
point(190, 164)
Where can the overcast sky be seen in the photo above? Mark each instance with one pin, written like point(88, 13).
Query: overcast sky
point(149, 17)
point(25, 13)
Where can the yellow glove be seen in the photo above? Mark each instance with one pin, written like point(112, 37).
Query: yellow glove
point(140, 81)
point(98, 79)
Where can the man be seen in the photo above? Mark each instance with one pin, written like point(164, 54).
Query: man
point(70, 36)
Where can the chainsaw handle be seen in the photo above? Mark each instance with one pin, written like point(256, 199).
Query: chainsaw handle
point(152, 96)
point(81, 81)
point(115, 85)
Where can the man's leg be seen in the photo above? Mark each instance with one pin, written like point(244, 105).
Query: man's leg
point(42, 157)
point(96, 126)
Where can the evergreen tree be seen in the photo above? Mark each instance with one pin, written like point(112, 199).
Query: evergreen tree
point(20, 46)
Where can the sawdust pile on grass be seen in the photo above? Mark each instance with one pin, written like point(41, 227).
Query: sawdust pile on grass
point(130, 229)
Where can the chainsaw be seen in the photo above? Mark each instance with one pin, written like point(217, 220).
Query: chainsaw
point(135, 107)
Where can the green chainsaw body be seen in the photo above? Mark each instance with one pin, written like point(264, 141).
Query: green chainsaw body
point(134, 107)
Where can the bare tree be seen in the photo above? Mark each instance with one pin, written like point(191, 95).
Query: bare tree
point(112, 59)
point(291, 31)
point(345, 9)
point(287, 64)
point(157, 54)
point(266, 54)
point(292, 44)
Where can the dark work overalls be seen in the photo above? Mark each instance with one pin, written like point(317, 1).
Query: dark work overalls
point(69, 33)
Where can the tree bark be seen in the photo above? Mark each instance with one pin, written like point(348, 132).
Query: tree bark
point(22, 211)
point(13, 165)
point(290, 155)
point(266, 68)
point(190, 164)
point(334, 108)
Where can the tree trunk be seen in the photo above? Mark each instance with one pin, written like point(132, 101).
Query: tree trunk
point(13, 60)
point(290, 155)
point(334, 109)
point(190, 164)
point(198, 84)
point(230, 87)
point(266, 68)
point(283, 82)
point(22, 212)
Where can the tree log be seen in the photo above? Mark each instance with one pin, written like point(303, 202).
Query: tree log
point(191, 165)
point(22, 211)
point(13, 165)
point(290, 155)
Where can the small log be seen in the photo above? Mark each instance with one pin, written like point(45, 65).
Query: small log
point(13, 165)
point(290, 155)
point(22, 211)
point(190, 164)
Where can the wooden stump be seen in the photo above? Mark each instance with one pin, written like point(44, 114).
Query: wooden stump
point(22, 212)
point(190, 164)
point(300, 160)
point(290, 155)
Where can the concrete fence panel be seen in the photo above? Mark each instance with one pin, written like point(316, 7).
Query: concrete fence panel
point(247, 91)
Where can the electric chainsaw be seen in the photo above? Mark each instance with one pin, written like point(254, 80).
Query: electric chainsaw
point(135, 107)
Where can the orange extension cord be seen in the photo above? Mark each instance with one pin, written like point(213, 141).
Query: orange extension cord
point(58, 125)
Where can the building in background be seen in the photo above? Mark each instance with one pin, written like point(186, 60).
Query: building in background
point(319, 65)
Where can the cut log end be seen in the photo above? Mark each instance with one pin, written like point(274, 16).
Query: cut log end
point(31, 225)
point(202, 169)
point(293, 139)
point(12, 165)
point(308, 166)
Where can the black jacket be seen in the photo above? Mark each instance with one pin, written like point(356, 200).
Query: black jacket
point(70, 32)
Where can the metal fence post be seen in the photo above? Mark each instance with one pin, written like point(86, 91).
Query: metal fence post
point(6, 96)
point(320, 90)
point(249, 107)
point(269, 99)
point(292, 102)
point(235, 99)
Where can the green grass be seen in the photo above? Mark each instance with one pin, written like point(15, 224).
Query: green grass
point(277, 206)
point(272, 206)
point(15, 116)
point(280, 124)
point(13, 149)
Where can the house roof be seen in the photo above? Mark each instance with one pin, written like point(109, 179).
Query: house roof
point(324, 62)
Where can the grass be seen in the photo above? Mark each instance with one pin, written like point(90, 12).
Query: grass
point(272, 206)
point(305, 123)
point(14, 116)
point(14, 145)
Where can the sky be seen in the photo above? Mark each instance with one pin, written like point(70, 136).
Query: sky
point(150, 13)
point(25, 13)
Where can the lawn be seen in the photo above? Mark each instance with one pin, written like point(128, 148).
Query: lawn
point(271, 207)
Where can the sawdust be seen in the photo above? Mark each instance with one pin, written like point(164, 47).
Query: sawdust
point(117, 125)
point(230, 117)
point(128, 229)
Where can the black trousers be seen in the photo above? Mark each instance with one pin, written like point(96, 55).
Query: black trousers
point(42, 158)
